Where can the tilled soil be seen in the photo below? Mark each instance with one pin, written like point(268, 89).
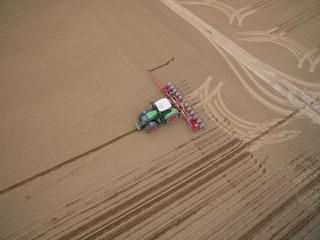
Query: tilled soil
point(74, 77)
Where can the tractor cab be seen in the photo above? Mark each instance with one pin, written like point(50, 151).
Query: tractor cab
point(163, 105)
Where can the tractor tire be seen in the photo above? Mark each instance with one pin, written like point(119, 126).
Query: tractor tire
point(144, 112)
point(151, 127)
point(173, 115)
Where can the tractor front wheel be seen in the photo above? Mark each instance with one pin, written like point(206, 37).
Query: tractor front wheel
point(151, 127)
point(144, 112)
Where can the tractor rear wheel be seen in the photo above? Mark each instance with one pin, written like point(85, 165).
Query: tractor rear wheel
point(170, 117)
point(144, 112)
point(151, 127)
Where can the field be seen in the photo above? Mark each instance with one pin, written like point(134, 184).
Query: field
point(74, 77)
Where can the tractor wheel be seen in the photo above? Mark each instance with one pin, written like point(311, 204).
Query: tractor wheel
point(144, 112)
point(151, 127)
point(172, 116)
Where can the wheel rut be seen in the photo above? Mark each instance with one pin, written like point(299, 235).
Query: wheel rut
point(72, 160)
point(232, 152)
point(149, 191)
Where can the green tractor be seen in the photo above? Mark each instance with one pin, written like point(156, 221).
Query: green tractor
point(161, 112)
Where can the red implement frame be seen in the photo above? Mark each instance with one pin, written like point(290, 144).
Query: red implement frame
point(177, 100)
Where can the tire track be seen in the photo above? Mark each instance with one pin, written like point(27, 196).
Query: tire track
point(255, 200)
point(168, 180)
point(311, 231)
point(274, 188)
point(149, 191)
point(46, 172)
point(248, 144)
point(279, 225)
point(220, 179)
point(219, 113)
point(161, 202)
point(129, 184)
point(302, 54)
point(279, 186)
point(249, 234)
point(301, 224)
point(279, 123)
point(113, 193)
point(275, 78)
point(239, 212)
point(222, 150)
point(227, 9)
point(294, 22)
point(216, 206)
point(192, 210)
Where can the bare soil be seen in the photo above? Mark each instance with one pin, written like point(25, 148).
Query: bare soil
point(74, 77)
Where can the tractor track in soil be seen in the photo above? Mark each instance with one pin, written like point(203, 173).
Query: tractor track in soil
point(159, 203)
point(190, 210)
point(253, 171)
point(142, 179)
point(250, 234)
point(127, 185)
point(302, 224)
point(296, 227)
point(273, 184)
point(226, 152)
point(158, 168)
point(46, 172)
point(245, 176)
point(151, 190)
point(193, 181)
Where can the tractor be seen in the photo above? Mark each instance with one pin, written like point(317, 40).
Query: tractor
point(167, 110)
point(161, 112)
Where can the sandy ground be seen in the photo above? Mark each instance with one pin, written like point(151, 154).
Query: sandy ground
point(74, 76)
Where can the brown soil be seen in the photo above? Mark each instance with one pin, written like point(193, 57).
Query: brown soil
point(74, 76)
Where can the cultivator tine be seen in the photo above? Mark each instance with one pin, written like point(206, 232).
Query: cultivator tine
point(177, 100)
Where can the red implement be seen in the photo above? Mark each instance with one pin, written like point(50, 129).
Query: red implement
point(177, 100)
